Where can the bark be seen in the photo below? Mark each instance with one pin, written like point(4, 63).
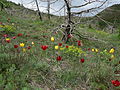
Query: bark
point(48, 9)
point(39, 13)
point(68, 26)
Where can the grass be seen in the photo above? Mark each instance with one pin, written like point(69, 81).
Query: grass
point(37, 69)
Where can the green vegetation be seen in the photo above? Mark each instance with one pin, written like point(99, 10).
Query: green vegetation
point(30, 61)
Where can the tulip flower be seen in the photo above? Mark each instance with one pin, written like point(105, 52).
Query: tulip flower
point(96, 50)
point(14, 37)
point(0, 22)
point(69, 36)
point(56, 47)
point(24, 49)
point(112, 50)
point(7, 40)
point(60, 44)
point(112, 56)
point(44, 47)
point(33, 43)
point(15, 46)
point(67, 46)
point(19, 34)
point(82, 60)
point(22, 44)
point(28, 47)
point(5, 35)
point(115, 83)
point(88, 49)
point(79, 44)
point(62, 48)
point(59, 58)
point(93, 50)
point(52, 39)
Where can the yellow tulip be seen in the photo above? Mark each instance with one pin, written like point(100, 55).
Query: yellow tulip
point(112, 56)
point(112, 50)
point(7, 39)
point(62, 48)
point(56, 47)
point(96, 50)
point(24, 49)
point(22, 44)
point(93, 50)
point(52, 39)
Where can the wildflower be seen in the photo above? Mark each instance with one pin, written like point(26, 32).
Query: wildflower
point(56, 47)
point(79, 41)
point(28, 47)
point(13, 24)
point(112, 50)
point(5, 35)
point(59, 58)
point(112, 56)
point(82, 60)
point(88, 49)
point(93, 50)
point(14, 37)
point(33, 43)
point(15, 46)
point(67, 46)
point(7, 40)
point(22, 44)
point(96, 50)
point(52, 39)
point(19, 34)
point(60, 44)
point(62, 48)
point(44, 47)
point(115, 83)
point(69, 36)
point(24, 49)
point(79, 44)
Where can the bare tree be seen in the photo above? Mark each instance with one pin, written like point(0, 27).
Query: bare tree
point(70, 24)
point(49, 2)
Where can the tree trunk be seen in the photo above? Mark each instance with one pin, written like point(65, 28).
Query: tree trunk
point(39, 13)
point(48, 9)
point(68, 26)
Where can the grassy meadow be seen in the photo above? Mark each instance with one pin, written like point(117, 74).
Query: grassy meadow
point(32, 57)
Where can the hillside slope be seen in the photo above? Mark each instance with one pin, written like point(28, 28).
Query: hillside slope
point(32, 57)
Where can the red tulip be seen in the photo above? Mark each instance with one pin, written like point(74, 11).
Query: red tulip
point(0, 22)
point(60, 44)
point(28, 47)
point(44, 47)
point(79, 44)
point(59, 58)
point(67, 46)
point(5, 35)
point(20, 34)
point(8, 41)
point(69, 36)
point(79, 41)
point(82, 60)
point(115, 83)
point(88, 49)
point(15, 46)
point(14, 37)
